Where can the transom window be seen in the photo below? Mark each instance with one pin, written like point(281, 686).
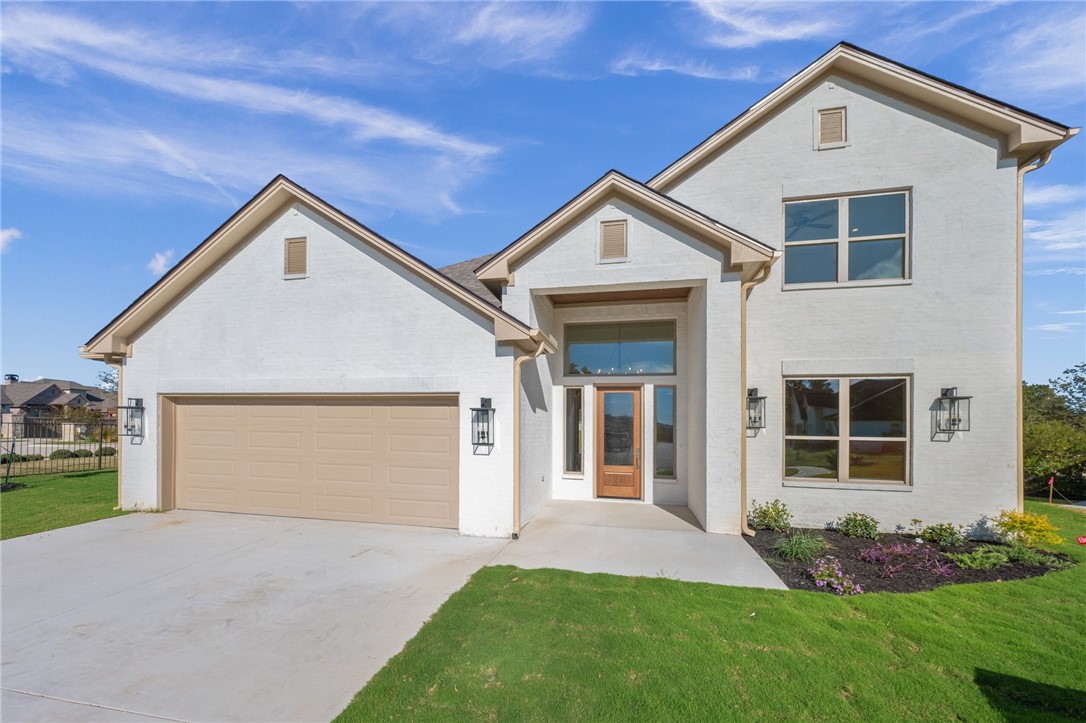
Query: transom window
point(852, 238)
point(847, 429)
point(620, 348)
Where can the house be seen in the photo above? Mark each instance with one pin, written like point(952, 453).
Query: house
point(819, 303)
point(32, 409)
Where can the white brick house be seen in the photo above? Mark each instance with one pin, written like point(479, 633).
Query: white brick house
point(850, 247)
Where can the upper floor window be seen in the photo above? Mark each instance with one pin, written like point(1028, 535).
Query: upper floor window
point(620, 348)
point(852, 238)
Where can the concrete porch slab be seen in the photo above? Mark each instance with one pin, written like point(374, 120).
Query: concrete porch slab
point(635, 539)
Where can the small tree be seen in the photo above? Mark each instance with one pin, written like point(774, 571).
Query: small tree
point(1071, 387)
point(107, 380)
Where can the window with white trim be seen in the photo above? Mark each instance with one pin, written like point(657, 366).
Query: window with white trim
point(847, 429)
point(857, 239)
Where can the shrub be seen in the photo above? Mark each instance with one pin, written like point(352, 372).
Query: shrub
point(62, 454)
point(770, 516)
point(1026, 529)
point(108, 451)
point(33, 458)
point(983, 559)
point(857, 524)
point(944, 534)
point(827, 573)
point(83, 453)
point(800, 545)
point(13, 458)
point(1021, 553)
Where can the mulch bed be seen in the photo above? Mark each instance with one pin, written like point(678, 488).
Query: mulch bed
point(869, 575)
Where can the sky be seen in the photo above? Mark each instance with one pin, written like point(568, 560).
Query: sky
point(130, 131)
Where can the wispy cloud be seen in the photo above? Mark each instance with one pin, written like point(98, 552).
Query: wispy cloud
point(523, 31)
point(751, 25)
point(1063, 232)
point(1063, 327)
point(641, 64)
point(1070, 312)
point(910, 29)
point(1053, 195)
point(1041, 57)
point(8, 235)
point(1058, 271)
point(160, 262)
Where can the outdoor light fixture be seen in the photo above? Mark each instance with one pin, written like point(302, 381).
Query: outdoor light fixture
point(951, 412)
point(132, 418)
point(482, 424)
point(755, 409)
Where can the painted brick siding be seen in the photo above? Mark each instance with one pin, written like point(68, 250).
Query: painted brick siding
point(953, 325)
point(358, 324)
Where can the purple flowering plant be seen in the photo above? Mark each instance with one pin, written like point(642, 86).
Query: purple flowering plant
point(827, 574)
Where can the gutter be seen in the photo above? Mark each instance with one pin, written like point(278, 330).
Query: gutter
point(1038, 162)
point(547, 345)
point(744, 291)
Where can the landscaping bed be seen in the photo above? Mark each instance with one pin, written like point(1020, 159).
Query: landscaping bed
point(936, 568)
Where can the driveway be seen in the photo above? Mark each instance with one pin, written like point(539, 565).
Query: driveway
point(200, 616)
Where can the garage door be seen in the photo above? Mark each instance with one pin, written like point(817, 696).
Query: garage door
point(390, 460)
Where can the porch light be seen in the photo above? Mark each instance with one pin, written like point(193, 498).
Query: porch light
point(755, 409)
point(131, 418)
point(951, 412)
point(482, 424)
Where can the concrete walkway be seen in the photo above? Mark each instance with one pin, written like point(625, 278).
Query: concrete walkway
point(200, 616)
point(635, 539)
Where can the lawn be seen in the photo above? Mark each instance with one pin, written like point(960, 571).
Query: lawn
point(551, 645)
point(48, 501)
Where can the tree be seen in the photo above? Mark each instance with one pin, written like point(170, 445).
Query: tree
point(107, 380)
point(1041, 403)
point(1071, 387)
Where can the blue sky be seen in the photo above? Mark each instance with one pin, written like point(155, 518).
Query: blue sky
point(130, 131)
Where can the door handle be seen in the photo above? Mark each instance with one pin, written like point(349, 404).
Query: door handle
point(637, 458)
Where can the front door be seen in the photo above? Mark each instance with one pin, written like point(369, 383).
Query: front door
point(618, 442)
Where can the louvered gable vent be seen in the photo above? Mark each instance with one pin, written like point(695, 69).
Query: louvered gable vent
point(612, 240)
point(295, 257)
point(831, 126)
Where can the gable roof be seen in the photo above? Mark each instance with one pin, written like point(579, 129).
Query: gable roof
point(463, 273)
point(1027, 134)
point(22, 394)
point(113, 341)
point(744, 249)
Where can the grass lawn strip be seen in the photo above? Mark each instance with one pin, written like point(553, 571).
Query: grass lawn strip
point(553, 645)
point(47, 502)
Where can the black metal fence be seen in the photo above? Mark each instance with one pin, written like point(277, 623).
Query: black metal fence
point(45, 445)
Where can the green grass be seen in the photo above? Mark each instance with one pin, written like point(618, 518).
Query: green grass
point(48, 501)
point(551, 645)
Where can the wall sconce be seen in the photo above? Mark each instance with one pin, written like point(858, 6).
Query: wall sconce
point(132, 418)
point(755, 410)
point(951, 412)
point(482, 424)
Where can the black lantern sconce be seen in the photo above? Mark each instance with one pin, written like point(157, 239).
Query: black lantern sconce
point(482, 424)
point(131, 418)
point(755, 410)
point(951, 413)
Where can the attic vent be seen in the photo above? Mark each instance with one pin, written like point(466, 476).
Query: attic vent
point(612, 240)
point(295, 257)
point(831, 127)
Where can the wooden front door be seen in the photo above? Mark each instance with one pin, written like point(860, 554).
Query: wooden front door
point(618, 442)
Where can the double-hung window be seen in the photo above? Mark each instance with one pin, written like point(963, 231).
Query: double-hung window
point(861, 238)
point(848, 429)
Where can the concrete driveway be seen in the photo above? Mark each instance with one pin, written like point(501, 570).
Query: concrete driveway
point(197, 616)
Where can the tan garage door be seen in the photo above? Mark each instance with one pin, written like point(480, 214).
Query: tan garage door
point(390, 460)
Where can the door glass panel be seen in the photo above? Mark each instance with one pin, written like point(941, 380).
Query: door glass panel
point(876, 408)
point(810, 220)
point(618, 429)
point(665, 432)
point(811, 407)
point(574, 429)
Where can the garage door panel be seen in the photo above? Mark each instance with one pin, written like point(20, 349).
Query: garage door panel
point(372, 460)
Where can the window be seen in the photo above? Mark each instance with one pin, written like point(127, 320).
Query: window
point(574, 430)
point(846, 429)
point(612, 241)
point(620, 348)
point(664, 451)
point(831, 127)
point(854, 238)
point(294, 264)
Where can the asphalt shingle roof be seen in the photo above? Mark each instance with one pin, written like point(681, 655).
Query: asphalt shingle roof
point(463, 273)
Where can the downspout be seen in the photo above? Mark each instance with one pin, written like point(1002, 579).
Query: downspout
point(517, 363)
point(744, 291)
point(119, 366)
point(1038, 162)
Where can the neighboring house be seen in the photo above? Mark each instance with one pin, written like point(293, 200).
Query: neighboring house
point(850, 246)
point(31, 409)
